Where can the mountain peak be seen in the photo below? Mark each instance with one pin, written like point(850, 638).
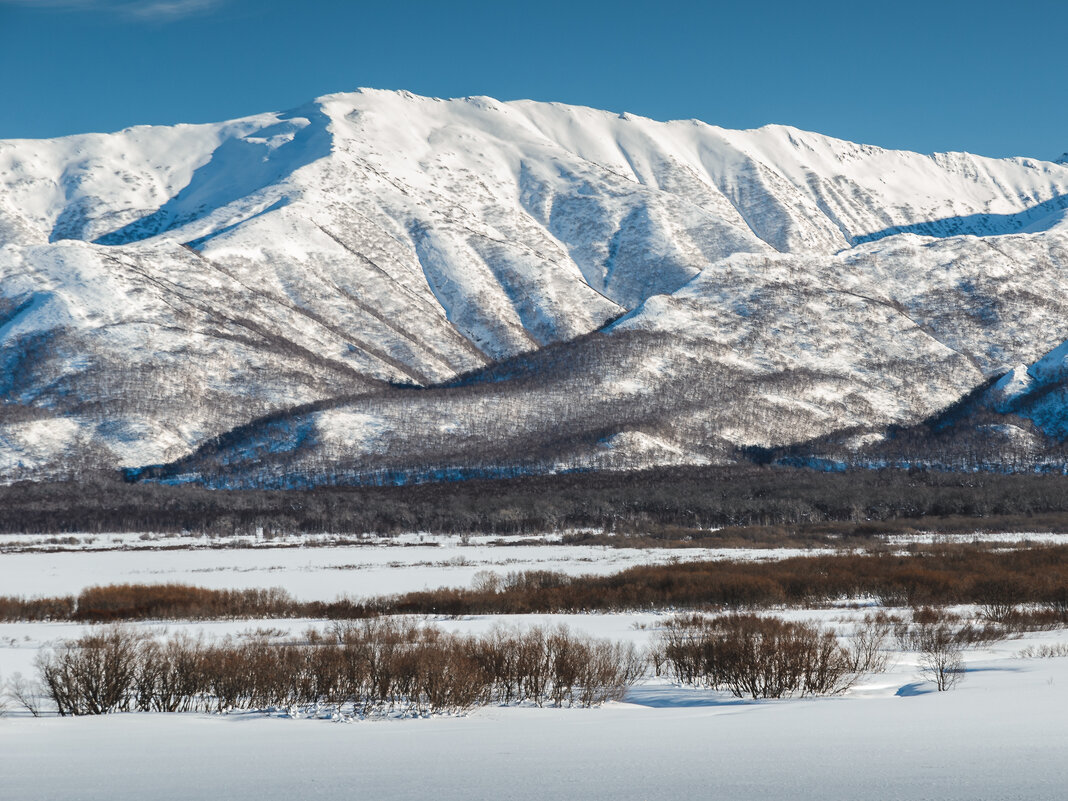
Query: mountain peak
point(162, 286)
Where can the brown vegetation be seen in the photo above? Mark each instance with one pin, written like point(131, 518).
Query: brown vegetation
point(361, 668)
point(767, 657)
point(17, 608)
point(940, 575)
point(159, 601)
point(1001, 582)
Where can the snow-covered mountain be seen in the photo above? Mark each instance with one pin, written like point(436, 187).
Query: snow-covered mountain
point(380, 285)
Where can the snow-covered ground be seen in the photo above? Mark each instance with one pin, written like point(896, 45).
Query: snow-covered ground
point(326, 573)
point(1003, 738)
point(1000, 734)
point(36, 565)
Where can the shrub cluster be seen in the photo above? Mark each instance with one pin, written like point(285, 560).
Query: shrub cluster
point(370, 667)
point(1001, 582)
point(158, 601)
point(766, 657)
point(132, 602)
point(998, 580)
point(41, 608)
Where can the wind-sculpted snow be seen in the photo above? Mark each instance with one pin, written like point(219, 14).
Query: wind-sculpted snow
point(616, 291)
point(244, 171)
point(1040, 217)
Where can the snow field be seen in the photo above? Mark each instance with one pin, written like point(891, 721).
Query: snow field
point(325, 573)
point(1001, 734)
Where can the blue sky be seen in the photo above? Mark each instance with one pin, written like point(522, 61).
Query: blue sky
point(936, 75)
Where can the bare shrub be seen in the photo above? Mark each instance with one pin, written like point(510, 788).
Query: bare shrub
point(93, 675)
point(1055, 650)
point(767, 657)
point(1055, 597)
point(170, 675)
point(25, 693)
point(939, 637)
point(998, 597)
point(608, 671)
point(868, 649)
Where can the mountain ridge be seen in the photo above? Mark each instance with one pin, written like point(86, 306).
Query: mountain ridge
point(164, 285)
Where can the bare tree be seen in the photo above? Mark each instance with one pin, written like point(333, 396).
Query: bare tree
point(940, 655)
point(25, 693)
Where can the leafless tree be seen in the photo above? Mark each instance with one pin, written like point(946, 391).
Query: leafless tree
point(25, 693)
point(940, 655)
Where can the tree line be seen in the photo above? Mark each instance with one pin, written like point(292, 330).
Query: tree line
point(663, 503)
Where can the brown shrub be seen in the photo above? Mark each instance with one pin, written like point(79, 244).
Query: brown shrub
point(17, 608)
point(95, 675)
point(767, 657)
point(372, 666)
point(171, 601)
point(1001, 581)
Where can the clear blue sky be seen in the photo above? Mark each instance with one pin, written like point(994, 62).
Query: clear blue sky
point(987, 77)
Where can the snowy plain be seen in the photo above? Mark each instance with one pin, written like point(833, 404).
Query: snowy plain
point(1001, 734)
point(310, 568)
point(327, 573)
point(975, 743)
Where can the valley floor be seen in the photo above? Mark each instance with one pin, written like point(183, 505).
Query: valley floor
point(1002, 733)
point(326, 573)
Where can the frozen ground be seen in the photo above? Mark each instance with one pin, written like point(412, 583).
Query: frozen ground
point(325, 573)
point(1003, 738)
point(158, 541)
point(1000, 735)
point(311, 569)
point(131, 541)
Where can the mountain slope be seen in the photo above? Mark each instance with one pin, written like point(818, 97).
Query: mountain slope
point(161, 286)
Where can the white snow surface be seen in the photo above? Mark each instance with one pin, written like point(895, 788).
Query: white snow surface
point(327, 573)
point(999, 735)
